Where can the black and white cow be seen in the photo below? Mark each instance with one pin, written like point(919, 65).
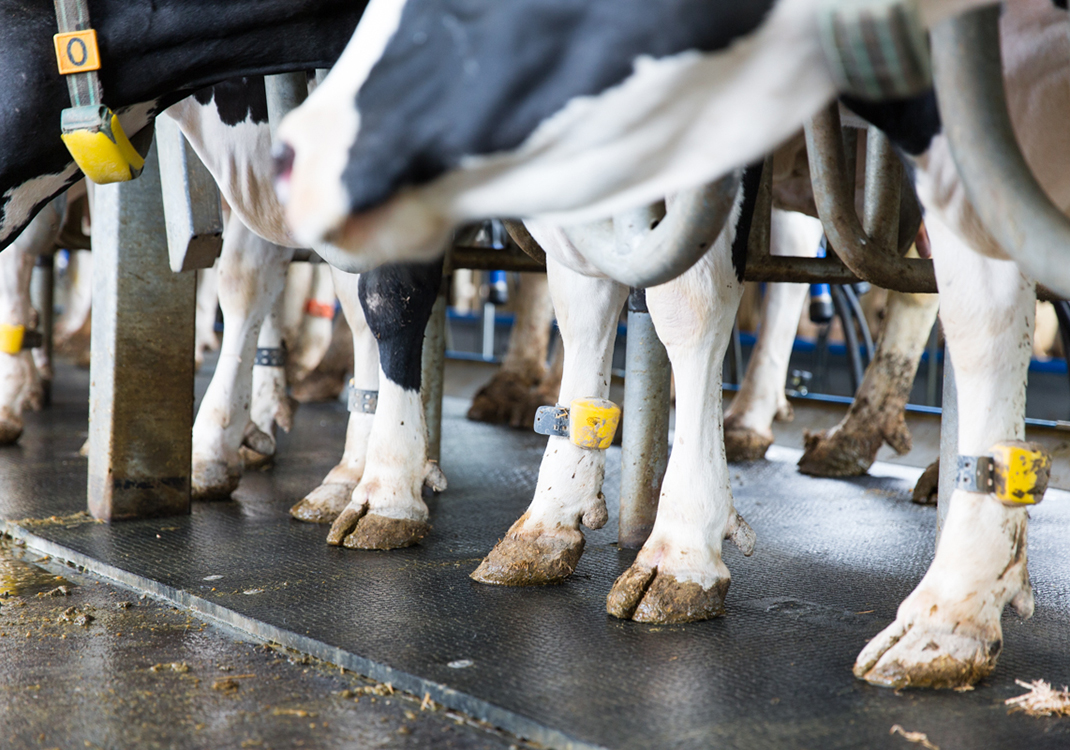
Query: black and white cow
point(442, 110)
point(153, 53)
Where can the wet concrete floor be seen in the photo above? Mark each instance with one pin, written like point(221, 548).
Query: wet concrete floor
point(84, 664)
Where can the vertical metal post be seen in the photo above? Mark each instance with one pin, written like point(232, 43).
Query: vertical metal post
point(949, 444)
point(487, 345)
point(285, 91)
point(41, 295)
point(141, 366)
point(433, 364)
point(645, 442)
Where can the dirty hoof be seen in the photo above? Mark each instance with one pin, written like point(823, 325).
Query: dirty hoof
point(917, 656)
point(503, 400)
point(323, 504)
point(833, 454)
point(10, 426)
point(644, 595)
point(357, 529)
point(251, 459)
point(526, 559)
point(745, 444)
point(214, 480)
point(928, 486)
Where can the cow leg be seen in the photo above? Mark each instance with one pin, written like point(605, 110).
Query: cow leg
point(947, 632)
point(748, 422)
point(545, 544)
point(386, 510)
point(678, 575)
point(207, 302)
point(20, 382)
point(877, 414)
point(252, 273)
point(327, 501)
point(506, 399)
point(313, 336)
point(73, 327)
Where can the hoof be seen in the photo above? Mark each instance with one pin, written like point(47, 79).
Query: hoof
point(501, 401)
point(251, 459)
point(531, 560)
point(745, 444)
point(928, 486)
point(918, 657)
point(644, 595)
point(214, 480)
point(10, 427)
point(323, 504)
point(361, 530)
point(829, 455)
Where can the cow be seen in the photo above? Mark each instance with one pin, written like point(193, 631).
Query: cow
point(153, 54)
point(586, 120)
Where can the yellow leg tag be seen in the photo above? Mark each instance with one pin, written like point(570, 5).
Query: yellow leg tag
point(593, 422)
point(1020, 472)
point(11, 338)
point(99, 146)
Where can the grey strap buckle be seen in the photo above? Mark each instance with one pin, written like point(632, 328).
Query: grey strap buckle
point(975, 474)
point(876, 49)
point(552, 420)
point(270, 357)
point(361, 401)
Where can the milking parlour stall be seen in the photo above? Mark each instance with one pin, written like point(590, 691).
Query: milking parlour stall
point(540, 374)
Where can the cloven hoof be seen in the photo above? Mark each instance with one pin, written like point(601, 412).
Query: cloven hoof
point(214, 481)
point(530, 560)
point(830, 455)
point(644, 595)
point(361, 530)
point(931, 665)
point(323, 504)
point(745, 444)
point(10, 429)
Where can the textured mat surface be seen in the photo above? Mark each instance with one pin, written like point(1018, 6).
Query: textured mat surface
point(834, 559)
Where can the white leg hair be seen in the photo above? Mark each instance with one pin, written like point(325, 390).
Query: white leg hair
point(252, 272)
point(947, 632)
point(678, 575)
point(748, 422)
point(546, 543)
point(324, 503)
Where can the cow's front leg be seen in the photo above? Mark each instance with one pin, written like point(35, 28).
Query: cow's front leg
point(947, 632)
point(678, 575)
point(545, 544)
point(251, 275)
point(326, 502)
point(386, 510)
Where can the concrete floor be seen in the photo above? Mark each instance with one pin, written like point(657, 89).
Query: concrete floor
point(87, 664)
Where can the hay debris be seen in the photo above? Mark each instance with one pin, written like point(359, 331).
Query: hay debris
point(1041, 700)
point(918, 738)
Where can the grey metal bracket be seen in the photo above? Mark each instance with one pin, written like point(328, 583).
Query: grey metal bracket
point(273, 357)
point(361, 401)
point(974, 474)
point(552, 420)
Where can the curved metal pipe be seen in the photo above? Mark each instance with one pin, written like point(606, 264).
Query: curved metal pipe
point(968, 72)
point(869, 250)
point(650, 246)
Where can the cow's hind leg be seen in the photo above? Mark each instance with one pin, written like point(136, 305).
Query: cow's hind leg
point(251, 275)
point(947, 633)
point(545, 544)
point(877, 415)
point(748, 423)
point(386, 510)
point(678, 575)
point(327, 501)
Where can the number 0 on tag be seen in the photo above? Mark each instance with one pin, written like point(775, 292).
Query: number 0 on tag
point(76, 51)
